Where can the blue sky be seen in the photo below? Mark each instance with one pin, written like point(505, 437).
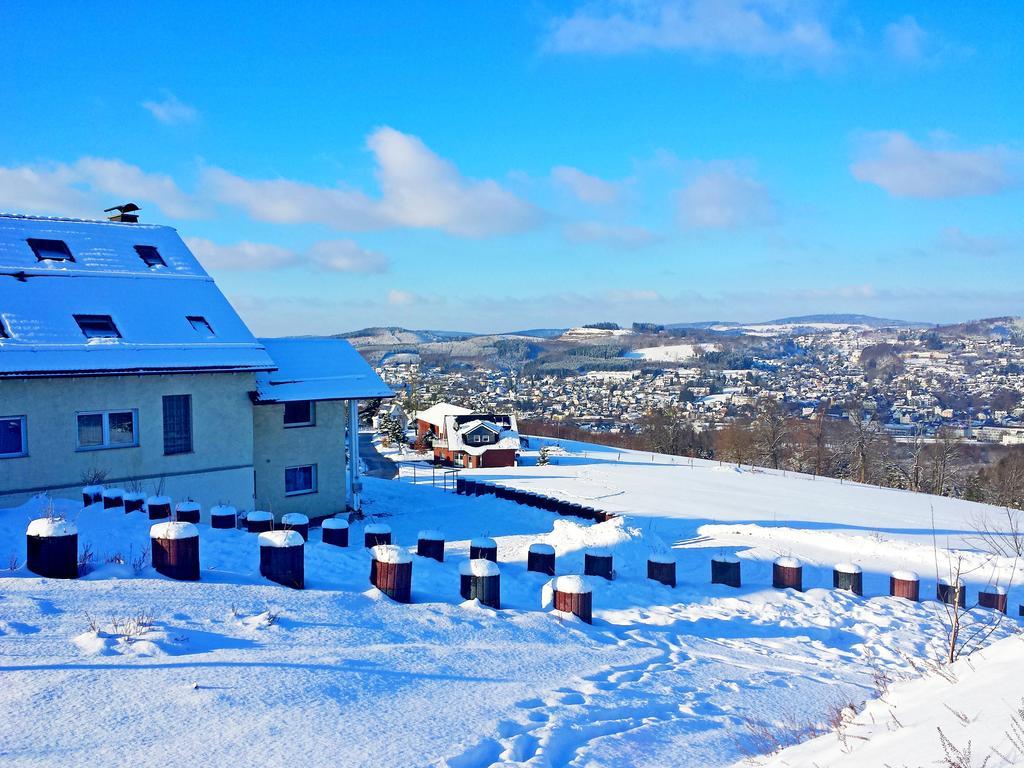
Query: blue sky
point(496, 166)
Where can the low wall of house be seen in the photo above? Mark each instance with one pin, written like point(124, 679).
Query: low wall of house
point(217, 470)
point(497, 458)
point(277, 447)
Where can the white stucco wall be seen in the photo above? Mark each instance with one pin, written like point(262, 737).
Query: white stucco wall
point(278, 447)
point(219, 469)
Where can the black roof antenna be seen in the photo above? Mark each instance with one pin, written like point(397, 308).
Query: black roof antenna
point(125, 213)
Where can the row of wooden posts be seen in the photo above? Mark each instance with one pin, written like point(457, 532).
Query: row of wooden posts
point(467, 487)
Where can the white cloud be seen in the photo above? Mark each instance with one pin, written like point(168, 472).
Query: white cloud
point(792, 29)
point(87, 186)
point(346, 256)
point(905, 168)
point(721, 197)
point(171, 110)
point(610, 234)
point(588, 188)
point(418, 189)
point(906, 39)
point(398, 298)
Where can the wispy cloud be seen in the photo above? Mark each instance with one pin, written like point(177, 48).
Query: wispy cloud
point(328, 255)
point(906, 40)
point(418, 189)
point(619, 236)
point(723, 197)
point(170, 110)
point(586, 187)
point(905, 168)
point(956, 241)
point(790, 30)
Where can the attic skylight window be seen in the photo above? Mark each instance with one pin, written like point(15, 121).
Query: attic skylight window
point(150, 255)
point(50, 250)
point(97, 326)
point(200, 326)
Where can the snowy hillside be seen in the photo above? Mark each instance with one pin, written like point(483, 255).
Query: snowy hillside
point(125, 666)
point(672, 353)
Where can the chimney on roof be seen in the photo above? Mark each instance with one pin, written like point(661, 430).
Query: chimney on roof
point(125, 213)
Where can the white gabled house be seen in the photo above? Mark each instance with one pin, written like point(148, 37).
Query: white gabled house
point(119, 355)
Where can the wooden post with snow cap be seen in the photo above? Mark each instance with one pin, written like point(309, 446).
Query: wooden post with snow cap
point(849, 577)
point(430, 544)
point(159, 507)
point(570, 594)
point(391, 572)
point(788, 573)
point(725, 569)
point(598, 562)
point(483, 548)
point(259, 521)
point(187, 511)
point(661, 567)
point(223, 517)
point(905, 584)
point(52, 547)
point(993, 597)
point(375, 534)
point(175, 550)
point(541, 558)
point(113, 498)
point(480, 580)
point(298, 522)
point(92, 494)
point(334, 531)
point(134, 502)
point(949, 593)
point(282, 558)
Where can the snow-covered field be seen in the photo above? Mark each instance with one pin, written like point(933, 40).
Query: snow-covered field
point(235, 670)
point(672, 353)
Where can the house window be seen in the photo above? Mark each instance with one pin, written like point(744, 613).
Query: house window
point(299, 414)
point(299, 480)
point(12, 437)
point(97, 326)
point(150, 255)
point(50, 250)
point(177, 424)
point(108, 429)
point(201, 326)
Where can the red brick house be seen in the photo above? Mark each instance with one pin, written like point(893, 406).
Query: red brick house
point(461, 438)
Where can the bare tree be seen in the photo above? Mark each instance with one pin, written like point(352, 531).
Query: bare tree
point(735, 443)
point(771, 428)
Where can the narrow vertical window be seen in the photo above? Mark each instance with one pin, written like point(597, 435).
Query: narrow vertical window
point(177, 424)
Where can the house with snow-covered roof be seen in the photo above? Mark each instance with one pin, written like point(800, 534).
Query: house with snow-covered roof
point(120, 358)
point(462, 438)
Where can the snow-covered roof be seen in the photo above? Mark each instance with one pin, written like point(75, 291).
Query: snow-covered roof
point(317, 369)
point(436, 413)
point(102, 274)
point(508, 439)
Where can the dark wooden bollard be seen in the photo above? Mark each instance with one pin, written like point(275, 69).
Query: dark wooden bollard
point(282, 558)
point(788, 573)
point(993, 597)
point(113, 498)
point(187, 511)
point(570, 594)
point(469, 487)
point(223, 517)
point(905, 584)
point(134, 502)
point(479, 488)
point(430, 544)
point(52, 545)
point(480, 580)
point(159, 507)
point(483, 548)
point(541, 558)
point(92, 494)
point(598, 562)
point(376, 534)
point(175, 550)
point(725, 569)
point(948, 593)
point(296, 521)
point(662, 568)
point(849, 577)
point(391, 572)
point(334, 531)
point(259, 521)
point(460, 486)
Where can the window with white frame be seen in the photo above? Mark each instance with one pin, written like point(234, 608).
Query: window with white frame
point(108, 429)
point(299, 480)
point(13, 438)
point(299, 413)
